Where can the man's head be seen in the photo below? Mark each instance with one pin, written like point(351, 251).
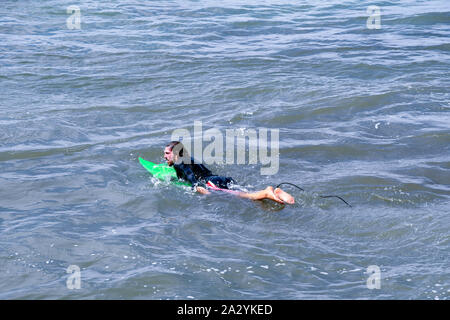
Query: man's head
point(174, 152)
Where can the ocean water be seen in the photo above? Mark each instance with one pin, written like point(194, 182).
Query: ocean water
point(362, 113)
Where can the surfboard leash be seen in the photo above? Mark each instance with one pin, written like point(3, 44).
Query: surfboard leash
point(321, 196)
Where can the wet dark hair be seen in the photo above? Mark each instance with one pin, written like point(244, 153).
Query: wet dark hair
point(178, 149)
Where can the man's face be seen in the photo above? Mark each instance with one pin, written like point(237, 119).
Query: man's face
point(168, 156)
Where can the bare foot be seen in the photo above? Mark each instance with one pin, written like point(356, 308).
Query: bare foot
point(272, 196)
point(286, 197)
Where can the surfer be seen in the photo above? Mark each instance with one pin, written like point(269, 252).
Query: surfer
point(200, 176)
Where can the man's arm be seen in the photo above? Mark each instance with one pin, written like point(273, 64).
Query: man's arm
point(185, 172)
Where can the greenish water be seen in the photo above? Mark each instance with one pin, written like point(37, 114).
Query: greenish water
point(362, 113)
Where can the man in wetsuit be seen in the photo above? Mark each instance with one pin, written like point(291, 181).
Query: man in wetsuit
point(198, 175)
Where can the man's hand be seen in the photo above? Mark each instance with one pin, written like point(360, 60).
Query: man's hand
point(202, 190)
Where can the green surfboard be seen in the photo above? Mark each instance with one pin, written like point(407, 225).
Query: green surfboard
point(162, 172)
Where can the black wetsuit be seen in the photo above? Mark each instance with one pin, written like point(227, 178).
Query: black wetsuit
point(198, 175)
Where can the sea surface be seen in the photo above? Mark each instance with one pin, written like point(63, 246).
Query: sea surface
point(362, 113)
